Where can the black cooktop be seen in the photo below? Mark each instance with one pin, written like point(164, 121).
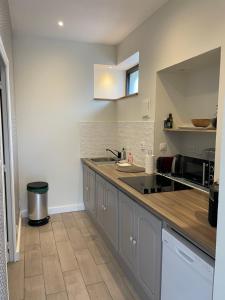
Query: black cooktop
point(153, 184)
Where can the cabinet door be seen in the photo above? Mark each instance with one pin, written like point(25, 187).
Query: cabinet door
point(100, 200)
point(127, 249)
point(149, 252)
point(111, 214)
point(91, 188)
point(85, 186)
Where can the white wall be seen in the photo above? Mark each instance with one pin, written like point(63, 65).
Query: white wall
point(176, 32)
point(109, 83)
point(54, 92)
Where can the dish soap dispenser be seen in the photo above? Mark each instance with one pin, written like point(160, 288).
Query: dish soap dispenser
point(130, 158)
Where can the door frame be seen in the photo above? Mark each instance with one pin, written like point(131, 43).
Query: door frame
point(11, 224)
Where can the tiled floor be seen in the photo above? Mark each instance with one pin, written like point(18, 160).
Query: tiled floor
point(67, 259)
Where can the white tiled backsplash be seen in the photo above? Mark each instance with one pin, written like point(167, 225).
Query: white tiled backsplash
point(95, 137)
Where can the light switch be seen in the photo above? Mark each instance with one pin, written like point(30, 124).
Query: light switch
point(145, 108)
point(163, 147)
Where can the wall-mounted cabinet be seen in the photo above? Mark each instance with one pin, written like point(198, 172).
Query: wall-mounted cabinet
point(188, 90)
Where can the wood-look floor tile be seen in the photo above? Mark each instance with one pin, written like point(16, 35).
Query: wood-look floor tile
point(16, 279)
point(93, 231)
point(58, 296)
point(82, 226)
point(99, 291)
point(88, 267)
point(87, 220)
point(54, 282)
point(48, 246)
point(32, 237)
point(35, 288)
point(115, 283)
point(99, 251)
point(59, 231)
point(80, 214)
point(33, 262)
point(78, 242)
point(75, 286)
point(46, 227)
point(66, 256)
point(56, 218)
point(68, 220)
point(93, 263)
point(22, 239)
point(131, 288)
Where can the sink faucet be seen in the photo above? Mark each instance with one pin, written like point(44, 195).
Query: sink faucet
point(118, 154)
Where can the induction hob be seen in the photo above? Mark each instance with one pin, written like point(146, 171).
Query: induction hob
point(153, 184)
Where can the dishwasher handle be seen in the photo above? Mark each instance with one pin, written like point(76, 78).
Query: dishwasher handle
point(185, 256)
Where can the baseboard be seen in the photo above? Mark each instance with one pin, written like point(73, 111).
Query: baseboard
point(59, 209)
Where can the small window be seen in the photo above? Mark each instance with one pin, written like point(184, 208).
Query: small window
point(132, 81)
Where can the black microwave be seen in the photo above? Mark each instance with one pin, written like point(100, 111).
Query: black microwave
point(198, 171)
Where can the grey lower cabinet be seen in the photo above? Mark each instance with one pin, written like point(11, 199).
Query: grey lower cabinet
point(100, 200)
point(140, 244)
point(107, 209)
point(89, 190)
point(127, 231)
point(134, 232)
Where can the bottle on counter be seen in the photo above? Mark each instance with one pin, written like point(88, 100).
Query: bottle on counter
point(149, 162)
point(130, 158)
point(124, 155)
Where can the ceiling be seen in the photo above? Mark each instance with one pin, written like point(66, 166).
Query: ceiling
point(94, 21)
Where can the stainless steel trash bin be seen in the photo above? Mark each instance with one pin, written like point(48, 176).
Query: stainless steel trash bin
point(37, 203)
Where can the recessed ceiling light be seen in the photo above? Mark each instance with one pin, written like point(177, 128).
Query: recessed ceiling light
point(60, 23)
point(110, 67)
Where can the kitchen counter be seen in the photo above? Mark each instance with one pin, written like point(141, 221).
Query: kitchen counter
point(186, 211)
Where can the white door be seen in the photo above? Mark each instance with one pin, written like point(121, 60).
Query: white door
point(5, 160)
point(3, 234)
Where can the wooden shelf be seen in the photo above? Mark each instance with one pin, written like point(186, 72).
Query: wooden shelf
point(190, 130)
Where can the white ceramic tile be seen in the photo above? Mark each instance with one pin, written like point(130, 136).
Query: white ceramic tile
point(95, 137)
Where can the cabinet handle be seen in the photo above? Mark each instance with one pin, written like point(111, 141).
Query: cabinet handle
point(134, 242)
point(87, 188)
point(131, 239)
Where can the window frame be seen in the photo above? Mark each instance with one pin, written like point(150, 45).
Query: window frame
point(128, 73)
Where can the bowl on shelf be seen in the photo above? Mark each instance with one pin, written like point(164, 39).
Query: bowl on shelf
point(201, 122)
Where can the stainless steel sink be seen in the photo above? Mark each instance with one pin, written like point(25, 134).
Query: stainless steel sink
point(104, 160)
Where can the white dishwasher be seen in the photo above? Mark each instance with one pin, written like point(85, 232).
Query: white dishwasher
point(187, 272)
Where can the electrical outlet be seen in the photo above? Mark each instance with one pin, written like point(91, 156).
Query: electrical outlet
point(143, 146)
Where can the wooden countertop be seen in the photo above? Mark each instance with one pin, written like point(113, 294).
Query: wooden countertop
point(186, 211)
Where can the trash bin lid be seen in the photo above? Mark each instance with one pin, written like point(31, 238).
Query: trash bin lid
point(37, 185)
